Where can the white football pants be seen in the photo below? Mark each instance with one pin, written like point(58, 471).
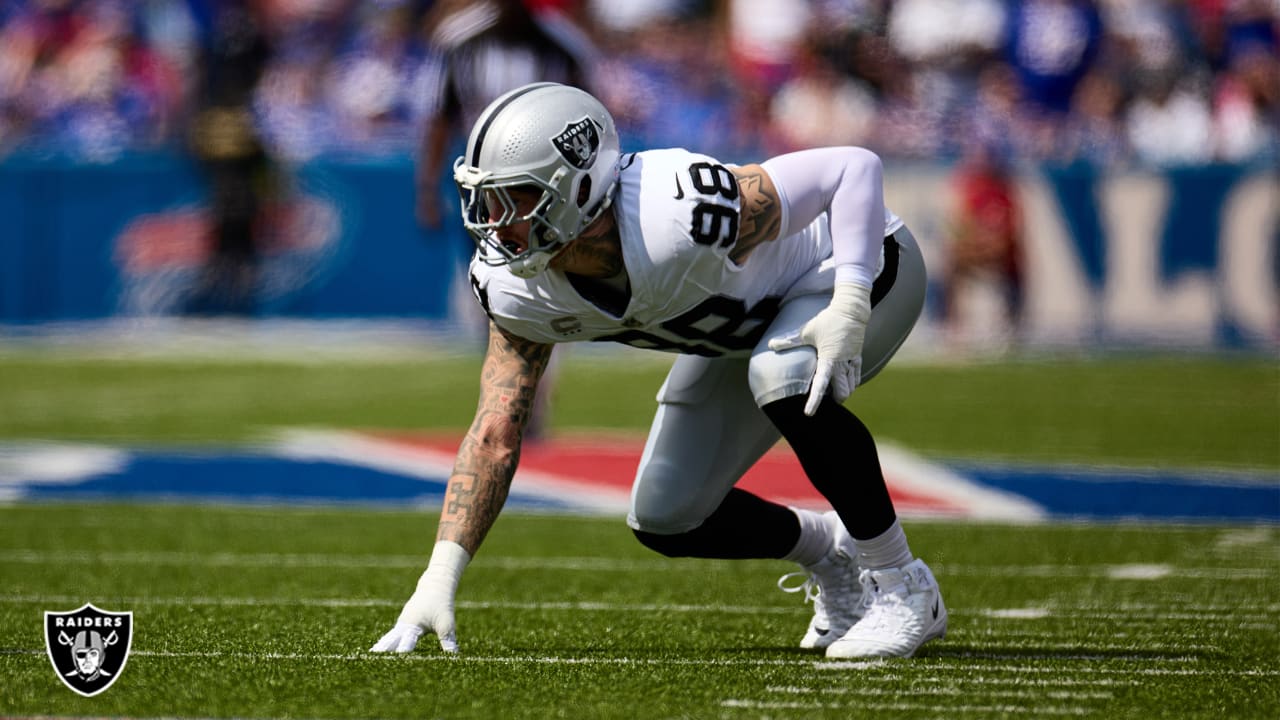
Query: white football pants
point(709, 428)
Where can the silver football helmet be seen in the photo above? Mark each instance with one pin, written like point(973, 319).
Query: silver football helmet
point(556, 141)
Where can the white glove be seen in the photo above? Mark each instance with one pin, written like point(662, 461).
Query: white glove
point(837, 334)
point(430, 608)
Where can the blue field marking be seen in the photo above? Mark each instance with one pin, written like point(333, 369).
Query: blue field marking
point(1112, 493)
point(250, 478)
point(266, 476)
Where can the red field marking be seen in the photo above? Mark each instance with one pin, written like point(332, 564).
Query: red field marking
point(611, 463)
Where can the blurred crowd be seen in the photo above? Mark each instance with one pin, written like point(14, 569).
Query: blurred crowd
point(1149, 82)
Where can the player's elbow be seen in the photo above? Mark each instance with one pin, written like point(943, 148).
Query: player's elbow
point(861, 164)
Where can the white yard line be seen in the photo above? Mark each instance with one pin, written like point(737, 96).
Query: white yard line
point(380, 602)
point(590, 564)
point(959, 682)
point(947, 691)
point(1091, 667)
point(1015, 710)
point(934, 664)
point(574, 606)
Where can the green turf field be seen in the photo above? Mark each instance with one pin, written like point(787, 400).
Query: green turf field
point(1148, 411)
point(268, 613)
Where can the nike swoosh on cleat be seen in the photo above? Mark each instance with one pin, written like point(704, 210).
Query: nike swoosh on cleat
point(679, 188)
point(822, 631)
point(935, 609)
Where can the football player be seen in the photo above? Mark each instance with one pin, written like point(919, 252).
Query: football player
point(782, 286)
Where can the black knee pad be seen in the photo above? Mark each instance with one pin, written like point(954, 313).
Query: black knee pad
point(669, 545)
point(743, 526)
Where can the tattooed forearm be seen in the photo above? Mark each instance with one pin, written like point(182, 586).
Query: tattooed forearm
point(489, 453)
point(761, 213)
point(470, 508)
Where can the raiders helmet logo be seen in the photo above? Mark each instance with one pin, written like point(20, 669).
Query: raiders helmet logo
point(88, 647)
point(579, 142)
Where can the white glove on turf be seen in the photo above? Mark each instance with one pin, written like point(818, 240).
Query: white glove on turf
point(430, 608)
point(837, 333)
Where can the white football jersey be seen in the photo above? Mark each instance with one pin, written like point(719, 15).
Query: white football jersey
point(677, 214)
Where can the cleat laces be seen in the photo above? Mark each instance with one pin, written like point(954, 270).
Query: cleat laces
point(809, 586)
point(884, 610)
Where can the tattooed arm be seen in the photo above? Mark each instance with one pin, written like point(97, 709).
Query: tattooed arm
point(477, 489)
point(487, 458)
point(761, 217)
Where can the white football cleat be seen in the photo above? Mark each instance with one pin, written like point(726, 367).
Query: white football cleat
point(904, 610)
point(832, 585)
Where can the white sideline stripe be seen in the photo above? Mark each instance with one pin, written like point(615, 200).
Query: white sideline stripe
point(1014, 710)
point(1038, 640)
point(378, 602)
point(275, 560)
point(949, 665)
point(989, 613)
point(934, 665)
point(1232, 540)
point(1111, 572)
point(1031, 613)
point(431, 655)
point(958, 682)
point(947, 691)
point(587, 564)
point(1140, 571)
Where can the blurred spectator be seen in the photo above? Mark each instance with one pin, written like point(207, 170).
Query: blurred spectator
point(819, 106)
point(327, 86)
point(945, 42)
point(996, 118)
point(764, 39)
point(1052, 45)
point(370, 81)
point(1246, 107)
point(759, 43)
point(76, 77)
point(984, 239)
point(1094, 131)
point(908, 123)
point(622, 18)
point(225, 139)
point(94, 79)
point(1247, 93)
point(1169, 121)
point(293, 110)
point(653, 62)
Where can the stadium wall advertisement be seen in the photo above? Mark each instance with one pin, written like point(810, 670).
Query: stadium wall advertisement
point(1185, 257)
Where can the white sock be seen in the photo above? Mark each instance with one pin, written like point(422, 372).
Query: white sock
point(815, 538)
point(887, 550)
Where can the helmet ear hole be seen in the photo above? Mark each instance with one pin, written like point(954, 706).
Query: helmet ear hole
point(584, 191)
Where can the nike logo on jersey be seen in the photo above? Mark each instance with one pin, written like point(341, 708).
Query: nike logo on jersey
point(679, 188)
